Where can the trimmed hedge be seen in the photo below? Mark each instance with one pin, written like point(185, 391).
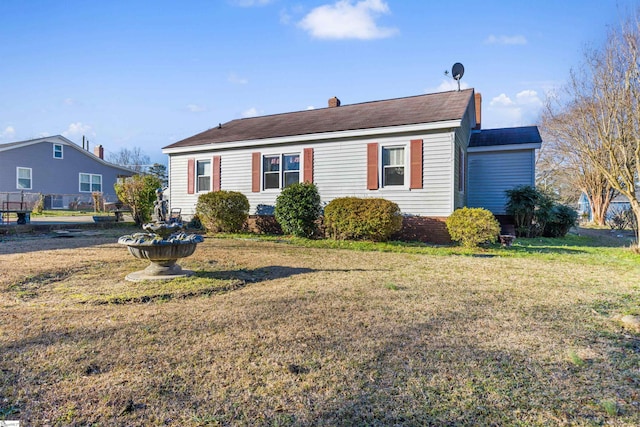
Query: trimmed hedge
point(473, 226)
point(298, 208)
point(353, 218)
point(225, 211)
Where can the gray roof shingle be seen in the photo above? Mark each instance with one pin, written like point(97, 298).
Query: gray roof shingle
point(506, 136)
point(429, 108)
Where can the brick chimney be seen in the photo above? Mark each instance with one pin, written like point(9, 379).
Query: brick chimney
point(98, 150)
point(478, 101)
point(334, 102)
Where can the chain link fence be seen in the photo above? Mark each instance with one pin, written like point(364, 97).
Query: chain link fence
point(73, 202)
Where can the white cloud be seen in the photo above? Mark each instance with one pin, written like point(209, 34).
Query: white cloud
point(251, 112)
point(448, 85)
point(195, 108)
point(8, 132)
point(346, 20)
point(311, 107)
point(234, 78)
point(501, 100)
point(69, 101)
point(521, 111)
point(78, 129)
point(507, 40)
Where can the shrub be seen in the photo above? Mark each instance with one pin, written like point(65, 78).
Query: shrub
point(298, 208)
point(355, 218)
point(139, 193)
point(225, 211)
point(473, 226)
point(530, 208)
point(561, 220)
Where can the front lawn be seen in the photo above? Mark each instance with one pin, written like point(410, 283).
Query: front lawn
point(291, 332)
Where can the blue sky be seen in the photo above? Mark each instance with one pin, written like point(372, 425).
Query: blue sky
point(149, 73)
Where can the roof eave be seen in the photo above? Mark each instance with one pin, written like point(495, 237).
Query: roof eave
point(505, 147)
point(413, 128)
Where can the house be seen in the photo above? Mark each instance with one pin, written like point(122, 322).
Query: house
point(55, 167)
point(427, 153)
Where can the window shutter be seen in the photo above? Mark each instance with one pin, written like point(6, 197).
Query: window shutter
point(416, 163)
point(308, 165)
point(372, 166)
point(215, 173)
point(191, 175)
point(255, 172)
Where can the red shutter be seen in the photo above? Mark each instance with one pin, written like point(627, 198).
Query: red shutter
point(255, 172)
point(372, 166)
point(191, 176)
point(416, 163)
point(308, 165)
point(215, 174)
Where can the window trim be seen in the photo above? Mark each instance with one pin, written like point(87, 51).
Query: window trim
point(90, 175)
point(18, 168)
point(406, 166)
point(61, 151)
point(281, 169)
point(462, 170)
point(197, 177)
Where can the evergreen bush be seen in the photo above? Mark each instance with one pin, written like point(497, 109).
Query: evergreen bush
point(473, 226)
point(353, 218)
point(561, 220)
point(298, 208)
point(223, 211)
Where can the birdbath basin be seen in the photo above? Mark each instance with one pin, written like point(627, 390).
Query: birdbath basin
point(163, 244)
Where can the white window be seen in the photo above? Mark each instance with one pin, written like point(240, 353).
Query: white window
point(23, 178)
point(274, 176)
point(393, 166)
point(90, 182)
point(57, 151)
point(203, 176)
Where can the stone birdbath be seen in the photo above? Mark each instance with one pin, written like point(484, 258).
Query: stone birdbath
point(162, 244)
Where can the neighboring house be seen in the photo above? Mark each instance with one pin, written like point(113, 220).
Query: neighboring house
point(426, 153)
point(59, 169)
point(618, 205)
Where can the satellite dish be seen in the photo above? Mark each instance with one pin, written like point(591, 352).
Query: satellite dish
point(457, 71)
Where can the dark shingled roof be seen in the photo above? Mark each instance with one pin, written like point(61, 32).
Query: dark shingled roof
point(428, 108)
point(506, 136)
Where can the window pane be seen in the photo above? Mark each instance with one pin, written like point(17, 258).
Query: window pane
point(204, 183)
point(96, 182)
point(24, 173)
point(271, 180)
point(271, 164)
point(57, 151)
point(393, 176)
point(393, 156)
point(24, 184)
point(291, 178)
point(292, 162)
point(204, 168)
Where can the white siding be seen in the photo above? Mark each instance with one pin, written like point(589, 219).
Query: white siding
point(340, 169)
point(493, 172)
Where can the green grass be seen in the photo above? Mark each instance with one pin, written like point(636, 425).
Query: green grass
point(278, 331)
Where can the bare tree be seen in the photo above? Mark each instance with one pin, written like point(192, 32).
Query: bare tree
point(564, 164)
point(604, 103)
point(133, 158)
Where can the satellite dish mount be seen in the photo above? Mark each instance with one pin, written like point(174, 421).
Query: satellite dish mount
point(457, 71)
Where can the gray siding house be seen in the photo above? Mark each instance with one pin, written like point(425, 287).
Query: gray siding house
point(427, 153)
point(56, 167)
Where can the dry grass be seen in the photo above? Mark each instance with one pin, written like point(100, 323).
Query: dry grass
point(272, 333)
